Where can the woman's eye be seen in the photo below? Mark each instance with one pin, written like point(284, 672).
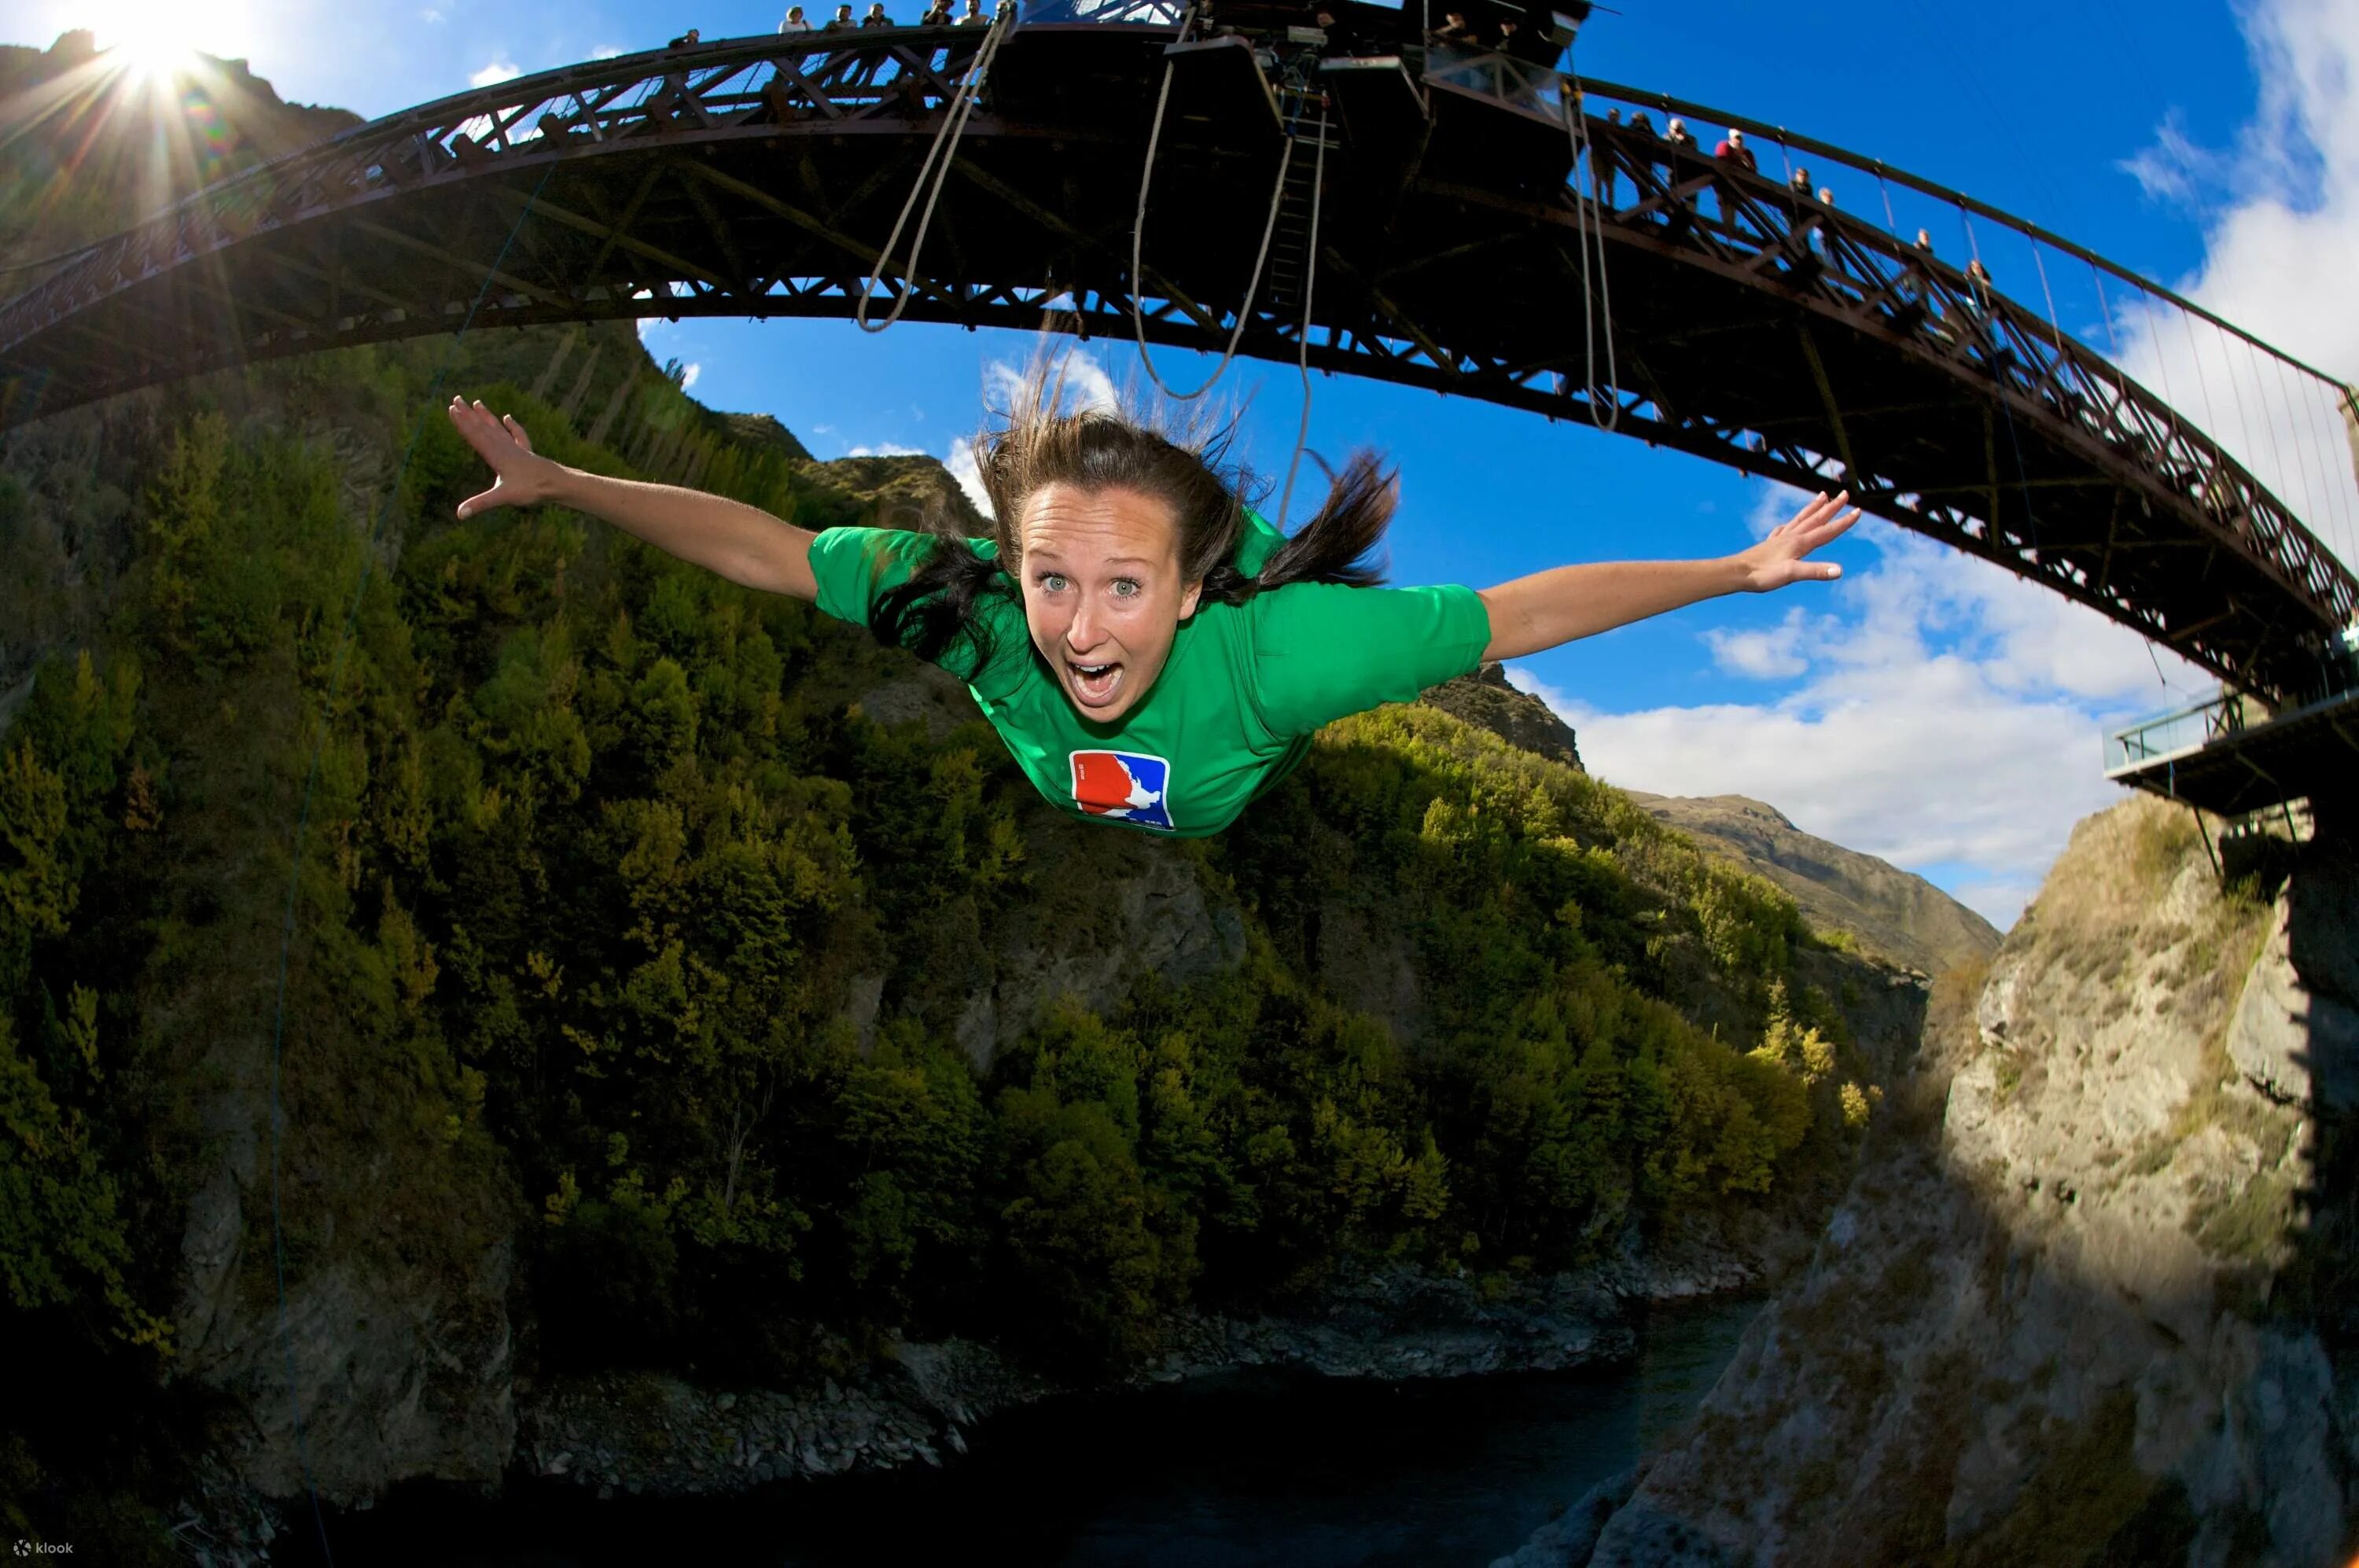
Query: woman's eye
point(1125, 588)
point(1053, 582)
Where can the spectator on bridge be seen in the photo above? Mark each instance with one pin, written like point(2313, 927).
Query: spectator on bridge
point(876, 17)
point(840, 22)
point(1121, 559)
point(1453, 33)
point(1925, 241)
point(937, 14)
point(686, 40)
point(1680, 135)
point(1641, 123)
point(1735, 152)
point(1826, 196)
point(1341, 41)
point(1799, 183)
point(794, 22)
point(1981, 276)
point(973, 16)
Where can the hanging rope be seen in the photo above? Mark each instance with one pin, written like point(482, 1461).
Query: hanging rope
point(1138, 238)
point(1596, 302)
point(1310, 281)
point(938, 160)
point(302, 823)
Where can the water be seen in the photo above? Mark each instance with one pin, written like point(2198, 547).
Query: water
point(1249, 1470)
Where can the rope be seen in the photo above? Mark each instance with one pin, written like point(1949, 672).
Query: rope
point(1139, 239)
point(1310, 281)
point(303, 822)
point(938, 160)
point(1588, 213)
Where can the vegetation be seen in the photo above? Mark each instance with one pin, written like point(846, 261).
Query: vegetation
point(596, 848)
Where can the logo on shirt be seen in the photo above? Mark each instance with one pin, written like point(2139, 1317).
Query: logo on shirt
point(1126, 786)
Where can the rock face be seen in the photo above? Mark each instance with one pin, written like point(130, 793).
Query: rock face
point(1889, 913)
point(2090, 1297)
point(1485, 701)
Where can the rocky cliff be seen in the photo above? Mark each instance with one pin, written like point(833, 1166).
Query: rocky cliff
point(1485, 701)
point(1888, 911)
point(2091, 1298)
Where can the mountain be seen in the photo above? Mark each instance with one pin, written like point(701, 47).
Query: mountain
point(1892, 913)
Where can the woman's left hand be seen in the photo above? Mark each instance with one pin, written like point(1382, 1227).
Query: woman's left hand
point(1778, 560)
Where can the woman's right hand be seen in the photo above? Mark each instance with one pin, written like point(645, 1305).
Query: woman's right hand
point(520, 476)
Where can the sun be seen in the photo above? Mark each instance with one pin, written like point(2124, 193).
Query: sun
point(153, 38)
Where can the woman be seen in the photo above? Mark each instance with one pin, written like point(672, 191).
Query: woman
point(1158, 656)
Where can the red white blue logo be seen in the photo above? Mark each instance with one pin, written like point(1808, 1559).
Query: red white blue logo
point(1123, 787)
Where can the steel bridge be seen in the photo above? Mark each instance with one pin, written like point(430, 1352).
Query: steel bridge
point(1750, 323)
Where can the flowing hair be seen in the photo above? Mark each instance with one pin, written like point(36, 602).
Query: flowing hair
point(1034, 439)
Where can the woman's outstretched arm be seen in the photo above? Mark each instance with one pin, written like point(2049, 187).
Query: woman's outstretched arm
point(1567, 601)
point(742, 543)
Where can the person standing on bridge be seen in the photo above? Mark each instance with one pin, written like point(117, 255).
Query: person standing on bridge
point(1151, 651)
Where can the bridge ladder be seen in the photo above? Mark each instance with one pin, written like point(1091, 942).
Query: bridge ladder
point(1308, 127)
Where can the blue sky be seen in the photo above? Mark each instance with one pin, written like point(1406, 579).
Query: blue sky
point(1928, 709)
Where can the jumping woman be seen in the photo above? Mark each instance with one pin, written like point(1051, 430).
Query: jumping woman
point(1151, 651)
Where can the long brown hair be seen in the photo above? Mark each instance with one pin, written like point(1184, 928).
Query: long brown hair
point(1034, 440)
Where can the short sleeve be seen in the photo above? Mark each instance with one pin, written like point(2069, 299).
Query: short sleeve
point(1324, 650)
point(855, 567)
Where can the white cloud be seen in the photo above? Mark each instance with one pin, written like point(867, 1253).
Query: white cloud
point(605, 51)
point(1772, 655)
point(492, 74)
point(968, 472)
point(1086, 383)
point(887, 449)
point(687, 377)
point(430, 15)
point(650, 325)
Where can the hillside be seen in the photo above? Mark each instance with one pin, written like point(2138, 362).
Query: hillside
point(1889, 913)
point(2091, 1298)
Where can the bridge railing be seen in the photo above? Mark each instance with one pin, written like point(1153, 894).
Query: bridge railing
point(2180, 731)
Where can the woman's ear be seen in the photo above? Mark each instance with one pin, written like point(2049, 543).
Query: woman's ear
point(1188, 601)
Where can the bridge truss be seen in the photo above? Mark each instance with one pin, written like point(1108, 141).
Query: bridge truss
point(760, 177)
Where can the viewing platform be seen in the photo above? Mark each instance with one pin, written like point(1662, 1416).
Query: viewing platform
point(2231, 756)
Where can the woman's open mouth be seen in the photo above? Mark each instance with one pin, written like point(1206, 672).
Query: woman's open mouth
point(1095, 684)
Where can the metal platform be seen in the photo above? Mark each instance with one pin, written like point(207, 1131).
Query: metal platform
point(2229, 757)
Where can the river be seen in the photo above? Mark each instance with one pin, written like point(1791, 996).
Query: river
point(1248, 1470)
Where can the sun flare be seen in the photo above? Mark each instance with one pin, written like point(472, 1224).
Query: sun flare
point(155, 38)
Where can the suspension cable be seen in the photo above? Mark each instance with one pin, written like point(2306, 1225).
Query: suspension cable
point(1138, 241)
point(937, 163)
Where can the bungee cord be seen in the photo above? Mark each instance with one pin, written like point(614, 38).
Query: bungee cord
point(936, 165)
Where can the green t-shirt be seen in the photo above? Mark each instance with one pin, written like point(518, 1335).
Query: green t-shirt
point(1233, 710)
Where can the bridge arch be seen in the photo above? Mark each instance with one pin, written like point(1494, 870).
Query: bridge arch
point(761, 177)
